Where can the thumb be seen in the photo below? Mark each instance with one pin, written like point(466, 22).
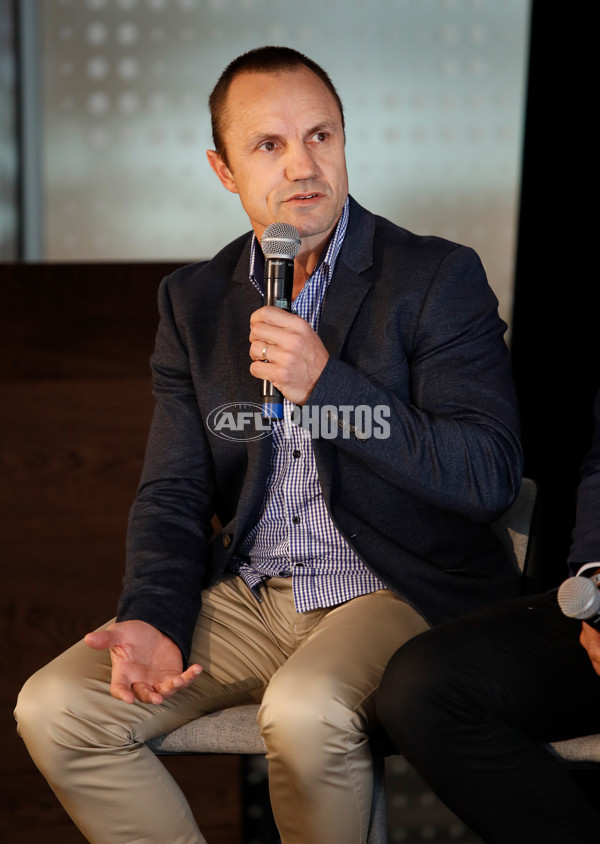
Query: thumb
point(100, 640)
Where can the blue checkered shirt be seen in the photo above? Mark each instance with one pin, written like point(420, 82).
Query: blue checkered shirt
point(294, 535)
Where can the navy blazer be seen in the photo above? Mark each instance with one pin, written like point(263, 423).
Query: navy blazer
point(586, 534)
point(411, 324)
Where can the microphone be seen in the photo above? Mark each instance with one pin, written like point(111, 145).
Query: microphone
point(579, 597)
point(280, 244)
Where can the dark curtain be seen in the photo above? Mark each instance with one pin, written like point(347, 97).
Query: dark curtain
point(554, 342)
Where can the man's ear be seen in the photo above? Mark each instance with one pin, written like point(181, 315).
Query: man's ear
point(222, 170)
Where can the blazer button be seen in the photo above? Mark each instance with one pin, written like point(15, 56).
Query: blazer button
point(227, 539)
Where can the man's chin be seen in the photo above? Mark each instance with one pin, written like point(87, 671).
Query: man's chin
point(309, 221)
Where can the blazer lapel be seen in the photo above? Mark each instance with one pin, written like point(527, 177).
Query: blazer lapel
point(243, 300)
point(345, 295)
point(349, 286)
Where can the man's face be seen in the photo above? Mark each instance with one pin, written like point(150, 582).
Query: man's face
point(285, 149)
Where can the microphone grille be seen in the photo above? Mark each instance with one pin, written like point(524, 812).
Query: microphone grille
point(280, 240)
point(579, 597)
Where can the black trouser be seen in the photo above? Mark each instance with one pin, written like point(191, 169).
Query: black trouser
point(469, 705)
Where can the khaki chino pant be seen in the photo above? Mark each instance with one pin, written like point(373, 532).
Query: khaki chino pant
point(315, 673)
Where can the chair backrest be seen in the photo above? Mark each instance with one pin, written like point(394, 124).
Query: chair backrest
point(513, 529)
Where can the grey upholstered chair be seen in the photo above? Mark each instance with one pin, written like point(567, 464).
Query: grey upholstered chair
point(236, 731)
point(582, 752)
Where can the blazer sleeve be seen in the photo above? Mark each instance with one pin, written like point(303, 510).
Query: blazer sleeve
point(169, 523)
point(454, 439)
point(586, 534)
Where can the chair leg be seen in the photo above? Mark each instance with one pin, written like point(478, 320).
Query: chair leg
point(257, 817)
point(378, 822)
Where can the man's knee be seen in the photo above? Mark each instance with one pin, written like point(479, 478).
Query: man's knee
point(55, 713)
point(42, 713)
point(305, 716)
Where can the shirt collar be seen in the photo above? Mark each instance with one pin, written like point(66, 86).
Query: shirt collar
point(327, 259)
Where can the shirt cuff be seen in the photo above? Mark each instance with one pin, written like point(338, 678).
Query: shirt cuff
point(588, 567)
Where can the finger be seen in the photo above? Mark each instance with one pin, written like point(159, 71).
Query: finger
point(287, 339)
point(169, 687)
point(270, 314)
point(272, 317)
point(121, 691)
point(192, 672)
point(147, 694)
point(260, 337)
point(263, 370)
point(263, 352)
point(264, 333)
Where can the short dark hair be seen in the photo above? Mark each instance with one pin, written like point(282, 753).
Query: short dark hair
point(260, 60)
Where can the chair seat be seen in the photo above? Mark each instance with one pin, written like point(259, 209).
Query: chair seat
point(233, 730)
point(584, 750)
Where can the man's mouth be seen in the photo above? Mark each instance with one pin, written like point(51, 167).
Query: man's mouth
point(302, 197)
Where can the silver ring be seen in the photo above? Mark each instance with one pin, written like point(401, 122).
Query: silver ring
point(264, 351)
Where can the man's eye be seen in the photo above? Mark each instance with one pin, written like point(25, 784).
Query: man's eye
point(268, 146)
point(319, 137)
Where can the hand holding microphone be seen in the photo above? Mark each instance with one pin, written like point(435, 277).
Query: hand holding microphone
point(280, 244)
point(285, 349)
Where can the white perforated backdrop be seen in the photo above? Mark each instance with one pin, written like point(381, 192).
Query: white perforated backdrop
point(9, 234)
point(433, 92)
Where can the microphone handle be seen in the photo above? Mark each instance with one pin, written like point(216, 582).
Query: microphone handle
point(279, 285)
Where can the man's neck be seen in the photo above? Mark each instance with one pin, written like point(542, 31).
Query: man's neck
point(301, 275)
point(307, 259)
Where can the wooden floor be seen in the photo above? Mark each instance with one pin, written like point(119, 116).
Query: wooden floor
point(75, 405)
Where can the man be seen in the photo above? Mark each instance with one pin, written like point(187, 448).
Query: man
point(336, 546)
point(471, 703)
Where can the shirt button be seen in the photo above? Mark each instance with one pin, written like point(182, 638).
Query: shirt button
point(296, 520)
point(296, 453)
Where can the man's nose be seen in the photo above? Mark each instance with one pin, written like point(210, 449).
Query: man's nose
point(299, 163)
